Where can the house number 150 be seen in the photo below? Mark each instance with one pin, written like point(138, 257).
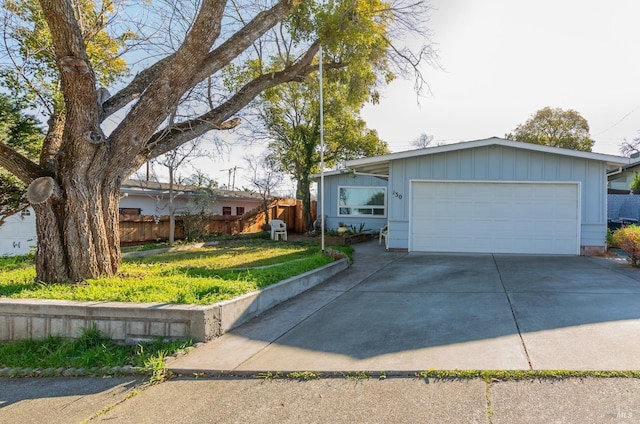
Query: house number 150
point(398, 195)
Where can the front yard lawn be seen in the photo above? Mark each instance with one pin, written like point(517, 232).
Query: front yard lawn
point(202, 276)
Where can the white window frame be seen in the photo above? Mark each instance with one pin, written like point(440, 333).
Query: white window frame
point(372, 207)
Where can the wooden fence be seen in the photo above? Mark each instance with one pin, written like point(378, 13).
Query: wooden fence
point(146, 228)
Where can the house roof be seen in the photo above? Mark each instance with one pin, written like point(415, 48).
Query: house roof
point(630, 167)
point(158, 188)
point(379, 165)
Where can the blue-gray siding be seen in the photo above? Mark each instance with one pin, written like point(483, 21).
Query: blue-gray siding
point(499, 163)
point(488, 163)
point(331, 200)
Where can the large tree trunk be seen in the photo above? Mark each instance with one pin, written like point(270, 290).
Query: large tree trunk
point(78, 229)
point(304, 194)
point(75, 188)
point(45, 197)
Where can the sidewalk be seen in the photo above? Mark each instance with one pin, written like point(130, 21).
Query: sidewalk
point(334, 400)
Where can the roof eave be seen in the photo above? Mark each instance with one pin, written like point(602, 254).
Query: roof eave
point(610, 160)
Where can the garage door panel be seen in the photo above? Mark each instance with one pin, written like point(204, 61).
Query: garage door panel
point(495, 217)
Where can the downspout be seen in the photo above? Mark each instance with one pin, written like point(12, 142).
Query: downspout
point(619, 171)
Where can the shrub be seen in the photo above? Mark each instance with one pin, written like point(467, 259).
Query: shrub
point(635, 184)
point(609, 239)
point(628, 239)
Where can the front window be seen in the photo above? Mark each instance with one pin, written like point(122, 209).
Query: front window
point(362, 201)
point(226, 210)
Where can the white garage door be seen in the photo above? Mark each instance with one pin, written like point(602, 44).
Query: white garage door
point(495, 217)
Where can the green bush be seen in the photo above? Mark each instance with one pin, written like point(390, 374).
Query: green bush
point(628, 239)
point(635, 184)
point(609, 239)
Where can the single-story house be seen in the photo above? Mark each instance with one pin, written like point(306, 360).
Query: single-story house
point(620, 179)
point(491, 195)
point(622, 207)
point(152, 198)
point(18, 233)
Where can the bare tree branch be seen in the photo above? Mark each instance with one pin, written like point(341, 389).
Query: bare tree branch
point(133, 91)
point(20, 166)
point(214, 62)
point(218, 118)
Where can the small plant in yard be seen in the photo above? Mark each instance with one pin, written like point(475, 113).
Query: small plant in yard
point(156, 365)
point(628, 239)
point(359, 230)
point(609, 239)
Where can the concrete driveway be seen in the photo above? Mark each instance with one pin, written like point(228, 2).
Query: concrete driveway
point(418, 311)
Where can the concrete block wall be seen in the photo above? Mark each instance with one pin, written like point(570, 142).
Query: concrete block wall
point(133, 322)
point(123, 322)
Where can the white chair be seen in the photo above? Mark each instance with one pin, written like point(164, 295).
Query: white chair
point(384, 234)
point(278, 229)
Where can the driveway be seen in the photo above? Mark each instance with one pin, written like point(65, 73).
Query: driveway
point(419, 311)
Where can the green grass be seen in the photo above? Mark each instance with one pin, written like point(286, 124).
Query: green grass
point(202, 276)
point(16, 262)
point(90, 350)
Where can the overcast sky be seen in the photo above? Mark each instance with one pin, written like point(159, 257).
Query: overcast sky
point(502, 60)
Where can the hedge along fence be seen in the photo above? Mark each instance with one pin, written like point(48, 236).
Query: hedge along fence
point(146, 228)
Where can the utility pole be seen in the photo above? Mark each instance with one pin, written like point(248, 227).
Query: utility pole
point(232, 171)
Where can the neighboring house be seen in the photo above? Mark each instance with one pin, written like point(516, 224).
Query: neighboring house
point(491, 195)
point(18, 233)
point(620, 179)
point(622, 207)
point(152, 198)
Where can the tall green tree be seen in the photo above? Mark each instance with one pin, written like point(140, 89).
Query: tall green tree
point(30, 68)
point(557, 128)
point(291, 116)
point(21, 132)
point(356, 39)
point(74, 186)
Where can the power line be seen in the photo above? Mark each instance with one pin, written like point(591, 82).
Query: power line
point(620, 120)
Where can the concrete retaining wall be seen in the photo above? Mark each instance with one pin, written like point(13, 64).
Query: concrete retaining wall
point(131, 322)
